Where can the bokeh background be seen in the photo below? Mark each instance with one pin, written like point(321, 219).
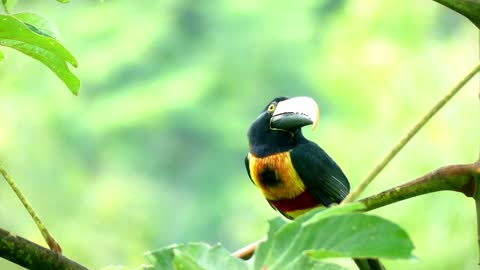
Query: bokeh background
point(151, 151)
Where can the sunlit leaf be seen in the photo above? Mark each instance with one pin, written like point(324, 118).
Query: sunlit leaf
point(63, 1)
point(8, 5)
point(2, 56)
point(38, 24)
point(15, 34)
point(333, 233)
point(195, 256)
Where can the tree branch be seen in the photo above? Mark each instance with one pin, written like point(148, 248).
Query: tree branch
point(33, 256)
point(460, 178)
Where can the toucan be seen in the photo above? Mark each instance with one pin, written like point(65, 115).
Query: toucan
point(293, 173)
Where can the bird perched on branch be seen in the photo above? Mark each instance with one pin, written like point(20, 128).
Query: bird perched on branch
point(293, 173)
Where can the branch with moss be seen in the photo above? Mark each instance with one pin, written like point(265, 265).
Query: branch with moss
point(33, 256)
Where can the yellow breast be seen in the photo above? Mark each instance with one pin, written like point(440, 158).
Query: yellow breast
point(287, 185)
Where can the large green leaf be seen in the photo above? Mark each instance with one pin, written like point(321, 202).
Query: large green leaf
point(8, 5)
point(38, 24)
point(334, 232)
point(16, 34)
point(183, 261)
point(280, 237)
point(195, 256)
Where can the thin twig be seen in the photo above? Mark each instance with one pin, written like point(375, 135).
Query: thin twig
point(477, 202)
point(477, 207)
point(479, 96)
point(46, 235)
point(33, 256)
point(246, 252)
point(408, 136)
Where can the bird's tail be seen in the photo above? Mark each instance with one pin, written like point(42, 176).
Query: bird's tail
point(369, 264)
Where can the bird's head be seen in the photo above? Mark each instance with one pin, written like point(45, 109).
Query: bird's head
point(278, 127)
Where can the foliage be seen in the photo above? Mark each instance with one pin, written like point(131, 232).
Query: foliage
point(195, 256)
point(37, 37)
point(169, 89)
point(301, 244)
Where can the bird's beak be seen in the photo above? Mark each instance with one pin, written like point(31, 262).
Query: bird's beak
point(294, 113)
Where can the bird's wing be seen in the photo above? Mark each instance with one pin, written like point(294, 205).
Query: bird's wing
point(322, 177)
point(247, 166)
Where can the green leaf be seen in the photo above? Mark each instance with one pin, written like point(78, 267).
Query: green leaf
point(63, 1)
point(115, 267)
point(328, 212)
point(196, 256)
point(38, 24)
point(120, 267)
point(305, 262)
point(8, 5)
point(281, 237)
point(361, 236)
point(15, 34)
point(182, 261)
point(2, 56)
point(332, 232)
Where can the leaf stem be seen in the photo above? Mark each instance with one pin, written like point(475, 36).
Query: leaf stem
point(408, 136)
point(43, 230)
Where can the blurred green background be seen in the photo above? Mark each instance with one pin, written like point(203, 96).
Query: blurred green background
point(151, 151)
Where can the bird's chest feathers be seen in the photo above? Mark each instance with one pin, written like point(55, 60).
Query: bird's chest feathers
point(275, 176)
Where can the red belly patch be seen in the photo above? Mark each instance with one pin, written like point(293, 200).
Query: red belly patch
point(302, 201)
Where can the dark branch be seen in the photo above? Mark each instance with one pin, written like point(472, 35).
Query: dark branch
point(33, 256)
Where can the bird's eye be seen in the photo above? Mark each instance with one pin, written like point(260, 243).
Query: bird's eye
point(271, 108)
